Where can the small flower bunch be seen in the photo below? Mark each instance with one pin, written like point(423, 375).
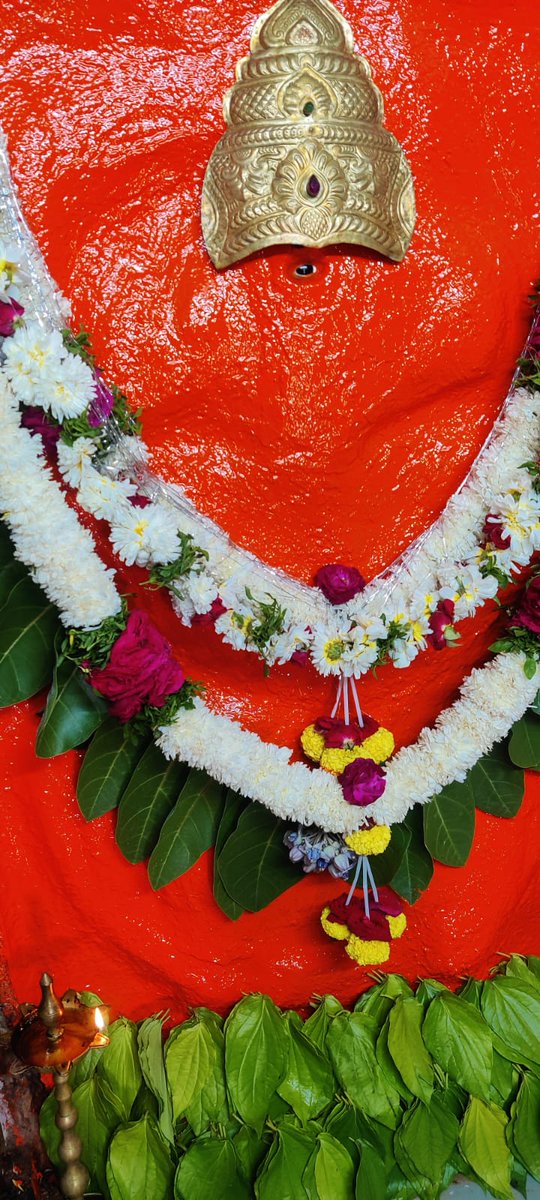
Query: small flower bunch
point(522, 635)
point(367, 938)
point(319, 851)
point(335, 744)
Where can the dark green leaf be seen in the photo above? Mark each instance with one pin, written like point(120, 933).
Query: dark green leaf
point(189, 830)
point(210, 1169)
point(140, 1164)
point(371, 1177)
point(526, 1124)
point(459, 1040)
point(232, 811)
point(308, 1085)
point(524, 745)
point(280, 1176)
point(28, 626)
point(428, 1135)
point(512, 1010)
point(256, 1055)
point(415, 870)
point(73, 711)
point(107, 766)
point(497, 786)
point(147, 801)
point(317, 1025)
point(253, 864)
point(11, 573)
point(384, 866)
point(449, 824)
point(351, 1041)
point(483, 1144)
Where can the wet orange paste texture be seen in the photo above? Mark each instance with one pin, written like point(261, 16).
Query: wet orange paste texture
point(319, 420)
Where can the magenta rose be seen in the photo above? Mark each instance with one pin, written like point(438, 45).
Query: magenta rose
point(337, 735)
point(339, 583)
point(9, 313)
point(439, 621)
point(527, 614)
point(493, 533)
point(141, 669)
point(217, 609)
point(34, 419)
point(363, 781)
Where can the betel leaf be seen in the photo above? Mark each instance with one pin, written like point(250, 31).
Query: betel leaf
point(459, 1040)
point(189, 1059)
point(146, 802)
point(524, 744)
point(512, 1010)
point(99, 1115)
point(415, 870)
point(281, 1172)
point(150, 1045)
point(428, 1135)
point(120, 1066)
point(483, 1144)
point(309, 1082)
point(139, 1165)
point(329, 1173)
point(525, 1125)
point(256, 1055)
point(73, 711)
point(210, 1169)
point(351, 1041)
point(317, 1025)
point(211, 1106)
point(253, 864)
point(250, 1151)
point(233, 808)
point(188, 831)
point(28, 626)
point(371, 1176)
point(107, 766)
point(407, 1047)
point(497, 786)
point(449, 824)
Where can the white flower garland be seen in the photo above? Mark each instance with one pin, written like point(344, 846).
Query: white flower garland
point(49, 539)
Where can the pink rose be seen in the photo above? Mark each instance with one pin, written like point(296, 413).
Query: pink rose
point(216, 610)
point(528, 611)
point(439, 621)
point(363, 781)
point(9, 312)
point(493, 533)
point(141, 669)
point(339, 583)
point(337, 734)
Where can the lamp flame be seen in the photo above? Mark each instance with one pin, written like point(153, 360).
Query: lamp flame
point(100, 1021)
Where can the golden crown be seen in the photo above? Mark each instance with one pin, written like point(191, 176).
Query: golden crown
point(306, 158)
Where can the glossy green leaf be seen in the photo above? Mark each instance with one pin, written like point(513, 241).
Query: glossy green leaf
point(415, 870)
point(524, 744)
point(210, 1105)
point(526, 1124)
point(280, 1175)
point(28, 627)
point(253, 865)
point(108, 764)
point(459, 1040)
point(497, 785)
point(351, 1042)
point(210, 1169)
point(73, 711)
point(189, 1060)
point(250, 1151)
point(449, 824)
point(119, 1066)
point(517, 967)
point(150, 1046)
point(309, 1082)
point(512, 1010)
point(385, 866)
point(140, 1166)
point(329, 1173)
point(429, 1134)
point(407, 1048)
point(504, 1080)
point(99, 1115)
point(150, 794)
point(256, 1056)
point(188, 831)
point(233, 808)
point(388, 1066)
point(317, 1025)
point(371, 1176)
point(483, 1144)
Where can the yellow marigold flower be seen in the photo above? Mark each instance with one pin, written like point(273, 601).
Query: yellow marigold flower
point(367, 954)
point(369, 841)
point(312, 743)
point(335, 761)
point(333, 928)
point(379, 746)
point(397, 925)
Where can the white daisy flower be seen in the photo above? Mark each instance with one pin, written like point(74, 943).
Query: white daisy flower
point(201, 590)
point(406, 648)
point(467, 587)
point(29, 355)
point(72, 460)
point(330, 646)
point(285, 644)
point(106, 498)
point(520, 522)
point(143, 536)
point(364, 649)
point(10, 273)
point(233, 626)
point(68, 389)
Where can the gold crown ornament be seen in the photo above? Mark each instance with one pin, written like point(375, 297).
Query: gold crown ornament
point(305, 158)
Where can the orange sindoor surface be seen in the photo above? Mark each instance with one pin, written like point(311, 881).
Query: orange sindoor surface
point(317, 420)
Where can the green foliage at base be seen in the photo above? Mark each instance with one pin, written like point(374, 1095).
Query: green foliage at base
point(388, 1101)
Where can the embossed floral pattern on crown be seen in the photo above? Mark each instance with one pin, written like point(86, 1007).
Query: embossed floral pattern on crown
point(306, 158)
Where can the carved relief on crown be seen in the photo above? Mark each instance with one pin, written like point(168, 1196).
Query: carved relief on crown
point(306, 157)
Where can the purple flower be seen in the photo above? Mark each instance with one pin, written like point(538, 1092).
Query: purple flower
point(103, 403)
point(339, 583)
point(363, 781)
point(9, 312)
point(34, 419)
